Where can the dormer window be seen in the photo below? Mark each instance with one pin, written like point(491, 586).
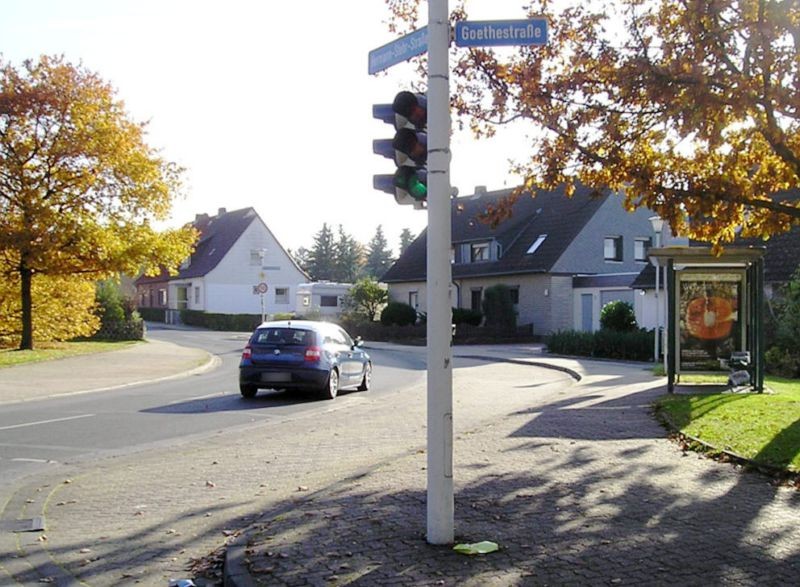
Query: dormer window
point(479, 252)
point(536, 244)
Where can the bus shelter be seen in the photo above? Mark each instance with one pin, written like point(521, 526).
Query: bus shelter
point(714, 312)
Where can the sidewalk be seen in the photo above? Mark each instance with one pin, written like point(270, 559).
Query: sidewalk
point(151, 360)
point(573, 479)
point(583, 490)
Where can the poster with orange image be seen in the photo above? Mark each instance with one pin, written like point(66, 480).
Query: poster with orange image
point(710, 325)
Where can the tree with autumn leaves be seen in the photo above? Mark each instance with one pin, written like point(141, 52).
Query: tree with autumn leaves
point(690, 108)
point(79, 188)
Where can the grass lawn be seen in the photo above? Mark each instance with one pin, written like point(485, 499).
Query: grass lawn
point(47, 351)
point(761, 427)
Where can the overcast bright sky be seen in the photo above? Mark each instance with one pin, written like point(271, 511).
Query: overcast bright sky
point(266, 104)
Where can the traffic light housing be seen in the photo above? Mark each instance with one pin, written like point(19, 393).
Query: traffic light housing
point(408, 113)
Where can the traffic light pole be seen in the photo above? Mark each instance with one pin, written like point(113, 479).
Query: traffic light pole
point(440, 502)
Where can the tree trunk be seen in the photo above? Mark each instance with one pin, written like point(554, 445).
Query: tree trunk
point(26, 343)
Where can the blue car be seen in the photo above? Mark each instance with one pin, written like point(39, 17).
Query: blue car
point(305, 355)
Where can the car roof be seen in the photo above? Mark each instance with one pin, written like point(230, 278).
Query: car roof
point(309, 324)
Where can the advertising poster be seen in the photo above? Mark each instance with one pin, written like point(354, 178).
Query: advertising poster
point(710, 323)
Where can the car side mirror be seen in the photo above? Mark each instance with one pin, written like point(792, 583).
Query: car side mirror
point(358, 341)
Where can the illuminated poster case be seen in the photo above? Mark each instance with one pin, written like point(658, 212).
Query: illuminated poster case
point(711, 317)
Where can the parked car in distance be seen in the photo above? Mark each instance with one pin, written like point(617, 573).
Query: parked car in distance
point(306, 355)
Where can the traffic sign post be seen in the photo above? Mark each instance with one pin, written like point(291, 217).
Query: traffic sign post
point(435, 38)
point(261, 290)
point(440, 500)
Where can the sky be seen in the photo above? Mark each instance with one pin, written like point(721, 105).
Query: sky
point(265, 104)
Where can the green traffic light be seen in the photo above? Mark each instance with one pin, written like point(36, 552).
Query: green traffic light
point(412, 181)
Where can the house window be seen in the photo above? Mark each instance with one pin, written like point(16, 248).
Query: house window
point(328, 301)
point(281, 295)
point(640, 248)
point(256, 255)
point(197, 296)
point(536, 244)
point(413, 299)
point(612, 248)
point(162, 297)
point(514, 291)
point(479, 252)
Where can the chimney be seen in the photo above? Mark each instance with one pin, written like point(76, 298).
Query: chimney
point(221, 211)
point(480, 190)
point(200, 218)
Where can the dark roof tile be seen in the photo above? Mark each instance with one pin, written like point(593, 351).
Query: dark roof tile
point(549, 212)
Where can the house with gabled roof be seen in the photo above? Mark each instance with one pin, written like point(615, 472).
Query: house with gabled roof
point(237, 262)
point(563, 258)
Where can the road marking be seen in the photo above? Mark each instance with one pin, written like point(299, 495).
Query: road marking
point(46, 422)
point(24, 460)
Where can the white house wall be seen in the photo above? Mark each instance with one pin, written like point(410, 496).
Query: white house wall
point(229, 286)
point(540, 298)
point(585, 253)
point(544, 300)
point(600, 297)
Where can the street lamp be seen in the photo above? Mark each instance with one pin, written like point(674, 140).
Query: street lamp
point(658, 225)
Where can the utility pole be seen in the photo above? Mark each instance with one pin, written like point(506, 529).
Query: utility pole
point(440, 502)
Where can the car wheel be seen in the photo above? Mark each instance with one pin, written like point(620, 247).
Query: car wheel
point(248, 391)
point(331, 389)
point(367, 381)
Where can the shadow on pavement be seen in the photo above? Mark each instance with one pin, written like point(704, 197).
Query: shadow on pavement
point(549, 531)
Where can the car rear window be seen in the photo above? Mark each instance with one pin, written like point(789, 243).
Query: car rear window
point(281, 336)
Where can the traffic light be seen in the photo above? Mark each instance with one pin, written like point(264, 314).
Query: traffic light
point(408, 113)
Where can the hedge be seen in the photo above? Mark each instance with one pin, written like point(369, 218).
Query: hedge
point(152, 314)
point(234, 322)
point(608, 344)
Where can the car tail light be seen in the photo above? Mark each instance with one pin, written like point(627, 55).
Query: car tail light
point(247, 352)
point(313, 353)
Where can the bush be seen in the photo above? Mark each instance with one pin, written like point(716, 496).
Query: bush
point(398, 313)
point(467, 316)
point(63, 308)
point(782, 363)
point(618, 316)
point(366, 297)
point(607, 344)
point(498, 307)
point(571, 342)
point(233, 322)
point(784, 357)
point(119, 319)
point(152, 314)
point(284, 316)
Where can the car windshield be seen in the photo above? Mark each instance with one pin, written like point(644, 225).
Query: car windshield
point(281, 336)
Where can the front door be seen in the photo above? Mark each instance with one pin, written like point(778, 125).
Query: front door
point(476, 294)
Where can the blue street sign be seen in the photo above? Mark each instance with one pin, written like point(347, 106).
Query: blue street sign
point(401, 49)
point(485, 33)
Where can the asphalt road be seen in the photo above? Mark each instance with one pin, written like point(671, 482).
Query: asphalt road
point(74, 429)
